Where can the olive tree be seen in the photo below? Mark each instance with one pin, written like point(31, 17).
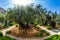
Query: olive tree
point(22, 15)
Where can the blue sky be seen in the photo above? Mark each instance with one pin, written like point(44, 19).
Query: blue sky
point(53, 5)
point(5, 4)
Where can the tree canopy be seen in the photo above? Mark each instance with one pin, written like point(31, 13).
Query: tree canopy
point(25, 15)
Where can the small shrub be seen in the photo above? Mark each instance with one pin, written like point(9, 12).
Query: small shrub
point(40, 35)
point(8, 32)
point(17, 25)
point(10, 24)
point(41, 24)
point(43, 31)
point(49, 27)
point(35, 23)
point(1, 35)
point(37, 27)
point(47, 34)
point(1, 27)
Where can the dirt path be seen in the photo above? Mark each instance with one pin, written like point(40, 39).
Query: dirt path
point(7, 29)
point(49, 31)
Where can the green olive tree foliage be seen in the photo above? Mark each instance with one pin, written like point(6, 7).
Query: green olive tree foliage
point(23, 15)
point(26, 15)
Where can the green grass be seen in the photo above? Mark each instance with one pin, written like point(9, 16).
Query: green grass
point(54, 37)
point(6, 38)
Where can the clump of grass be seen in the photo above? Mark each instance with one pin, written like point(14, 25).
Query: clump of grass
point(8, 32)
point(37, 27)
point(49, 27)
point(17, 25)
point(39, 35)
point(54, 37)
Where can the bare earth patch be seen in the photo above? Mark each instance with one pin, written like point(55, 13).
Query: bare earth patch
point(31, 33)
